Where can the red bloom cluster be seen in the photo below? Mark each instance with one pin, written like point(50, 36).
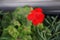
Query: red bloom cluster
point(36, 16)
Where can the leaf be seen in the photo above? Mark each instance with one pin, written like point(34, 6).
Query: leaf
point(6, 20)
point(41, 27)
point(21, 15)
point(12, 31)
point(54, 20)
point(15, 22)
point(26, 30)
point(6, 38)
point(27, 37)
point(57, 28)
point(47, 21)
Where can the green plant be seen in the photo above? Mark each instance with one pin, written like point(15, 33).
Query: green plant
point(15, 26)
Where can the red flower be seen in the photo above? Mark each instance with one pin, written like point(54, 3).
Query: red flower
point(36, 16)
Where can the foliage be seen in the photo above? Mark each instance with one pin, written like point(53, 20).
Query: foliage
point(15, 26)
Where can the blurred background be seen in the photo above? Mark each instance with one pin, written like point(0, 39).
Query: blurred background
point(22, 0)
point(14, 3)
point(45, 4)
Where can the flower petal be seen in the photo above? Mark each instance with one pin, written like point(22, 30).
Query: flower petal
point(38, 9)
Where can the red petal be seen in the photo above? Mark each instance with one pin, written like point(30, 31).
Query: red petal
point(29, 17)
point(38, 19)
point(36, 16)
point(38, 9)
point(42, 16)
point(35, 22)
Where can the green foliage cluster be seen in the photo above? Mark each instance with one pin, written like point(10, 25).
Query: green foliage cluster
point(15, 26)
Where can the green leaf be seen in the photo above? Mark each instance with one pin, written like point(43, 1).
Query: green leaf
point(26, 30)
point(21, 15)
point(6, 20)
point(6, 38)
point(27, 38)
point(40, 26)
point(13, 31)
point(15, 22)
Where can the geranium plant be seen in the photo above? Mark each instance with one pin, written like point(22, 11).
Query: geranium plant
point(27, 23)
